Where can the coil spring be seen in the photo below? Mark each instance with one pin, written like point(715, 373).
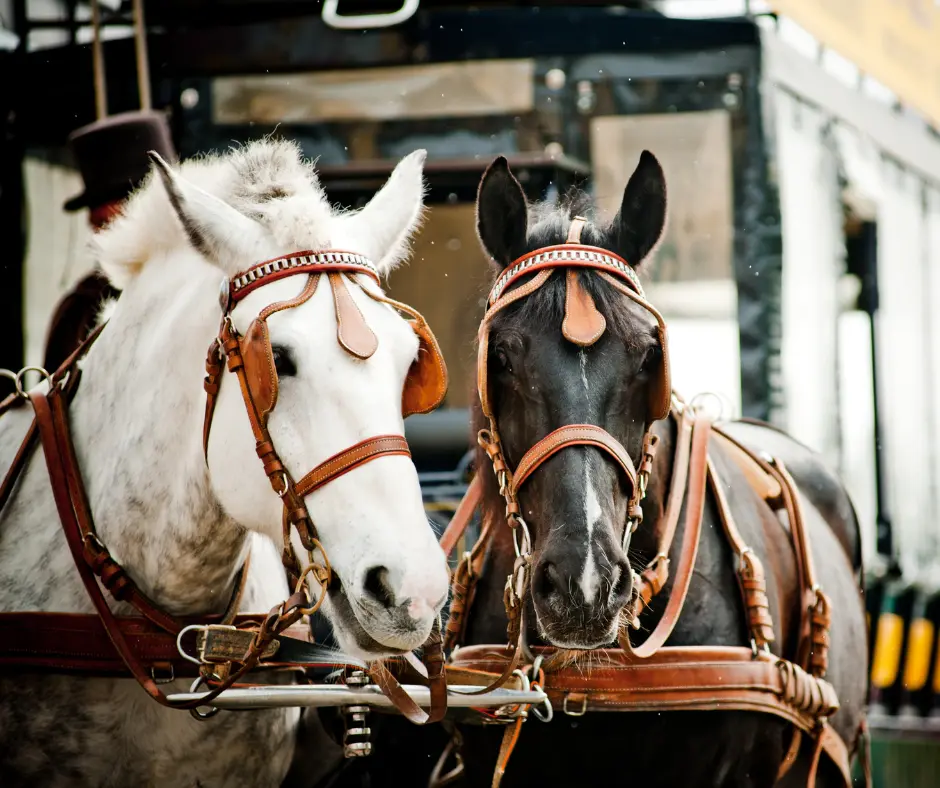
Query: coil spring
point(356, 738)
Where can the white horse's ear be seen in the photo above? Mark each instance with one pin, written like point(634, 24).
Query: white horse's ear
point(386, 224)
point(215, 228)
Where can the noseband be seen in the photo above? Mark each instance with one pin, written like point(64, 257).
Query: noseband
point(250, 357)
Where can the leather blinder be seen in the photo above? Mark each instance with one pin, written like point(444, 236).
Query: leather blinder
point(426, 384)
point(260, 374)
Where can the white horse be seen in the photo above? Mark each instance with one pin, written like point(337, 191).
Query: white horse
point(181, 524)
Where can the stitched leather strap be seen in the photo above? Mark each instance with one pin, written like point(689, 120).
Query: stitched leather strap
point(656, 573)
point(681, 678)
point(695, 505)
point(437, 683)
point(459, 523)
point(52, 416)
point(79, 643)
point(751, 578)
point(348, 459)
point(506, 747)
point(573, 435)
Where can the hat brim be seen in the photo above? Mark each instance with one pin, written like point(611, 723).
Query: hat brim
point(90, 199)
point(77, 202)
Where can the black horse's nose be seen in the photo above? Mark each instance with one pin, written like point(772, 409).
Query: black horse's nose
point(593, 585)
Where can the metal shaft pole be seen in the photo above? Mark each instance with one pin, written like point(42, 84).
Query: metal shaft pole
point(143, 61)
point(97, 56)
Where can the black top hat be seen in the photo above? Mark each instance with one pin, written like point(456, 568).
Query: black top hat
point(111, 155)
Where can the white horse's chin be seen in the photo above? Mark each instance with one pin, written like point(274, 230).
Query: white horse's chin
point(367, 636)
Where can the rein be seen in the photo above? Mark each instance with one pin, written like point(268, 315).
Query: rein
point(151, 647)
point(648, 677)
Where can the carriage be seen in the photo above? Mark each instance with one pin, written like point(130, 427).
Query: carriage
point(520, 682)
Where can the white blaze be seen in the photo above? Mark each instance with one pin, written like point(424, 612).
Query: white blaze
point(590, 578)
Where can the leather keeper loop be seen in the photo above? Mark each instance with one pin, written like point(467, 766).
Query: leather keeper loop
point(273, 467)
point(263, 448)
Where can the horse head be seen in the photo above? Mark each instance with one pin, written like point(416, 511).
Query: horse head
point(339, 357)
point(574, 350)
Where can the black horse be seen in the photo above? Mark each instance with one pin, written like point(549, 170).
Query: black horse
point(576, 507)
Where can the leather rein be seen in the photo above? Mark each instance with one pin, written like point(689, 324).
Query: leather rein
point(649, 677)
point(153, 646)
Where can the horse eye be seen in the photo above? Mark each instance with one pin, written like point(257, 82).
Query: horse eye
point(503, 360)
point(283, 363)
point(651, 359)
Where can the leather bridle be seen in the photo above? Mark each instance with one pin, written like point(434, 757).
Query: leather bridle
point(231, 645)
point(583, 325)
point(251, 358)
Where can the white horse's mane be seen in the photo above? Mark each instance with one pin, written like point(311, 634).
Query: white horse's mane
point(267, 180)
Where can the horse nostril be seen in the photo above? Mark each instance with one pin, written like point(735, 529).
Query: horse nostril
point(378, 587)
point(550, 579)
point(622, 584)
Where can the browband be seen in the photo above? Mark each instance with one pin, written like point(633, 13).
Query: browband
point(240, 285)
point(569, 255)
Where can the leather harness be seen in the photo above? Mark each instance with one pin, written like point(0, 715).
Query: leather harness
point(651, 676)
point(150, 646)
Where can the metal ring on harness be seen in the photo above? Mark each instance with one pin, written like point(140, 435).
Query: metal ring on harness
point(18, 379)
point(549, 713)
point(202, 715)
point(322, 575)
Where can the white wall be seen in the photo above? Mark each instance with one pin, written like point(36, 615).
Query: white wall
point(813, 260)
point(903, 361)
point(56, 241)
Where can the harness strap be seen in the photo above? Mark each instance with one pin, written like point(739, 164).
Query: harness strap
point(651, 581)
point(815, 608)
point(684, 678)
point(464, 585)
point(437, 683)
point(695, 505)
point(459, 523)
point(80, 643)
point(52, 417)
point(75, 518)
point(751, 578)
point(506, 747)
point(19, 462)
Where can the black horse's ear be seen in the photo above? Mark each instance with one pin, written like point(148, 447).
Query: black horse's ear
point(501, 213)
point(639, 223)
